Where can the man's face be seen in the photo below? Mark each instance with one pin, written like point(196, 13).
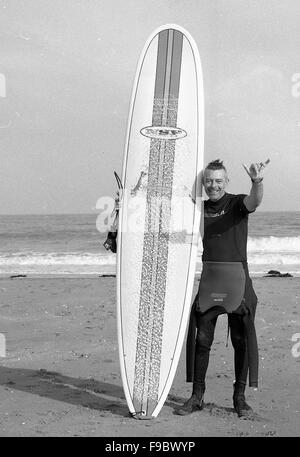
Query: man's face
point(215, 182)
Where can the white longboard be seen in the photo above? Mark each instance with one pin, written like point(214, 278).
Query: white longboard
point(159, 219)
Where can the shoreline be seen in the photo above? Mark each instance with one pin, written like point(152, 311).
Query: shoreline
point(113, 275)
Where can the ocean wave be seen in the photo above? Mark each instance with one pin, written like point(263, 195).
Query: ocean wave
point(274, 259)
point(271, 251)
point(264, 252)
point(274, 244)
point(58, 259)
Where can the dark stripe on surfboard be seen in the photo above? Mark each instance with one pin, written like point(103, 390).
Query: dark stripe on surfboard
point(160, 79)
point(156, 237)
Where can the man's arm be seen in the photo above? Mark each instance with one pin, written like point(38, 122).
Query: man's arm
point(254, 199)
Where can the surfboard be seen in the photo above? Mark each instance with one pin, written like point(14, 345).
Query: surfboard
point(159, 217)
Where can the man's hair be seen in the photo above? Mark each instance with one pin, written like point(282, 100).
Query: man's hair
point(216, 165)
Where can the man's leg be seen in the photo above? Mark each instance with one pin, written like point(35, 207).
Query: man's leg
point(239, 343)
point(204, 339)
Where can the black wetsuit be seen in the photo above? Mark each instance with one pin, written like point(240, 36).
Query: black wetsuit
point(224, 244)
point(225, 229)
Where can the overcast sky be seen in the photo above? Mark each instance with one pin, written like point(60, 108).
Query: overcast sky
point(66, 74)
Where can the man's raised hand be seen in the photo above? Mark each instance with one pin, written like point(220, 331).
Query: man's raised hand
point(255, 171)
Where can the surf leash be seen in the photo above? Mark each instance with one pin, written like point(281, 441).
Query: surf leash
point(118, 179)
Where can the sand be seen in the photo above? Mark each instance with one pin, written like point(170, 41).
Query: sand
point(61, 375)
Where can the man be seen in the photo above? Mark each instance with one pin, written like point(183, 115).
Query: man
point(225, 286)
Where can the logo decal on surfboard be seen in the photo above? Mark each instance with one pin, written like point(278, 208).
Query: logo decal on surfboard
point(163, 133)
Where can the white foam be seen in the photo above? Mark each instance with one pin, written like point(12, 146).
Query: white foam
point(274, 244)
point(263, 253)
point(58, 259)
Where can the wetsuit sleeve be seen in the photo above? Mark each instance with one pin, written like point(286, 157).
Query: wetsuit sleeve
point(240, 205)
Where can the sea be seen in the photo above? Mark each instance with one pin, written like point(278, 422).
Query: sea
point(70, 244)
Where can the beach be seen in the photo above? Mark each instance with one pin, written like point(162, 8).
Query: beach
point(61, 374)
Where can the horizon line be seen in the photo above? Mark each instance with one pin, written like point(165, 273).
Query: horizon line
point(95, 213)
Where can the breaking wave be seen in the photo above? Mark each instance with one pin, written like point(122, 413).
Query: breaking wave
point(263, 252)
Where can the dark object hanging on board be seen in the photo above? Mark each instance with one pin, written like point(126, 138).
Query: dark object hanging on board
point(110, 243)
